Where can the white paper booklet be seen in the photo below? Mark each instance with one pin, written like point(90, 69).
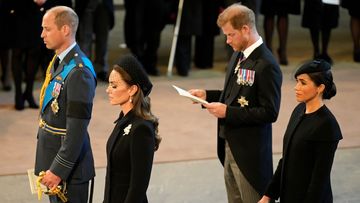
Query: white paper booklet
point(185, 93)
point(33, 181)
point(333, 2)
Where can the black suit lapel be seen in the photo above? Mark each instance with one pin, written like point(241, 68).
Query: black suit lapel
point(231, 66)
point(229, 72)
point(294, 121)
point(121, 123)
point(247, 64)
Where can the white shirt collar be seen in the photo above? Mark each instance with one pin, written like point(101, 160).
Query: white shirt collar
point(64, 53)
point(251, 48)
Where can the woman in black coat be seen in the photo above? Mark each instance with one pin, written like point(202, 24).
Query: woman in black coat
point(131, 145)
point(310, 141)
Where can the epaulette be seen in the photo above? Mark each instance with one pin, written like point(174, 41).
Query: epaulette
point(78, 60)
point(84, 62)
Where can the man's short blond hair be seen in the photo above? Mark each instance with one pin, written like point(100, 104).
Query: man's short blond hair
point(65, 16)
point(238, 16)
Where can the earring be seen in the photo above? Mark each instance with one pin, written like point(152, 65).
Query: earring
point(130, 100)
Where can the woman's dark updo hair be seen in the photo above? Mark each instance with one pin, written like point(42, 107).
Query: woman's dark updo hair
point(319, 72)
point(325, 78)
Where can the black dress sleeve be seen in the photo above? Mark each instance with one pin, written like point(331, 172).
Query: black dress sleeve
point(142, 153)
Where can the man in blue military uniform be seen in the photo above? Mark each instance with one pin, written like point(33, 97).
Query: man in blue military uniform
point(63, 147)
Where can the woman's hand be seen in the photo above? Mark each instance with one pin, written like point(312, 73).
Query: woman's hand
point(264, 199)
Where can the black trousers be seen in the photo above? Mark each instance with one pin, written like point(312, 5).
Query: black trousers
point(183, 54)
point(142, 28)
point(204, 51)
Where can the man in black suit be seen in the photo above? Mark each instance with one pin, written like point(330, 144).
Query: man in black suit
point(63, 144)
point(97, 18)
point(143, 23)
point(246, 107)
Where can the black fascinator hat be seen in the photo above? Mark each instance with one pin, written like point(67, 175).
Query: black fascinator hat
point(319, 72)
point(317, 65)
point(133, 67)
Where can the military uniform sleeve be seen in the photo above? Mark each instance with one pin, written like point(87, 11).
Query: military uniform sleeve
point(80, 90)
point(213, 95)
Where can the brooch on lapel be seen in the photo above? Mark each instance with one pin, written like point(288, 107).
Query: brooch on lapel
point(243, 102)
point(127, 129)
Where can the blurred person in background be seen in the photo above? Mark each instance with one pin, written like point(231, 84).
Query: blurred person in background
point(97, 18)
point(5, 43)
point(280, 9)
point(353, 9)
point(320, 17)
point(204, 43)
point(143, 23)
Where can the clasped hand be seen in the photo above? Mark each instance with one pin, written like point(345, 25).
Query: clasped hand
point(50, 180)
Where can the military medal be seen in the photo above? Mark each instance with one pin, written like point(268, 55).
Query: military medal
point(55, 106)
point(55, 93)
point(243, 102)
point(241, 59)
point(245, 77)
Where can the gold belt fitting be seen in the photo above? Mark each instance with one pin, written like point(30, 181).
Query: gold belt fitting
point(51, 129)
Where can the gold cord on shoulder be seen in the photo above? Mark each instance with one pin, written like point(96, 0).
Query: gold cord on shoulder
point(46, 82)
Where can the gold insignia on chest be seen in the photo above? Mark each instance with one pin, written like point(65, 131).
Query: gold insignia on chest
point(243, 102)
point(81, 65)
point(55, 106)
point(58, 78)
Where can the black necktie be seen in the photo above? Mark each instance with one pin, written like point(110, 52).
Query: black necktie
point(56, 63)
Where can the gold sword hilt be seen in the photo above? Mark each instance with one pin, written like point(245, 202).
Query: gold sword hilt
point(38, 184)
point(59, 191)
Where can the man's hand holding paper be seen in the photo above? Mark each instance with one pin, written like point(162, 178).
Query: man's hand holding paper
point(193, 96)
point(198, 93)
point(215, 108)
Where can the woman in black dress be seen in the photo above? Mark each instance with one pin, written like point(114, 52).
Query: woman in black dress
point(320, 18)
point(353, 8)
point(280, 9)
point(310, 141)
point(131, 145)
